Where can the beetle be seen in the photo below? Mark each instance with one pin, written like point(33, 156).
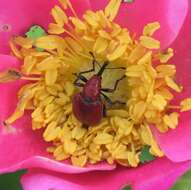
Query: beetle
point(88, 105)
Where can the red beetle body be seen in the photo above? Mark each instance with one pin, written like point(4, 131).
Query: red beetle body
point(87, 105)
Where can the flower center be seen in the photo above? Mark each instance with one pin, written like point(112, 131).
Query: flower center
point(50, 62)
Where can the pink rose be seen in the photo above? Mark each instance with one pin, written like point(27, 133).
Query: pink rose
point(21, 148)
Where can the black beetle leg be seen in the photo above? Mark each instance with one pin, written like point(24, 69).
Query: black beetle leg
point(110, 102)
point(107, 99)
point(92, 69)
point(116, 68)
point(118, 102)
point(95, 59)
point(104, 111)
point(108, 90)
point(81, 77)
point(78, 84)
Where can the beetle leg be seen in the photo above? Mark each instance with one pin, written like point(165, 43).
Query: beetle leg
point(85, 126)
point(122, 68)
point(91, 70)
point(118, 102)
point(111, 90)
point(110, 102)
point(104, 111)
point(102, 69)
point(95, 59)
point(78, 84)
point(81, 77)
point(107, 99)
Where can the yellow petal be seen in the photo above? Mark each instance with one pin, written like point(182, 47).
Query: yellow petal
point(59, 16)
point(103, 138)
point(100, 45)
point(170, 83)
point(51, 76)
point(78, 23)
point(124, 37)
point(164, 57)
point(149, 42)
point(74, 45)
point(9, 75)
point(15, 50)
point(117, 53)
point(29, 64)
point(185, 104)
point(70, 146)
point(118, 112)
point(49, 42)
point(166, 70)
point(171, 120)
point(55, 29)
point(64, 3)
point(104, 34)
point(91, 18)
point(51, 132)
point(79, 161)
point(49, 63)
point(125, 126)
point(150, 28)
point(23, 42)
point(112, 9)
point(159, 102)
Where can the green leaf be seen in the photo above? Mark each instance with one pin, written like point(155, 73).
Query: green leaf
point(11, 181)
point(183, 183)
point(128, 1)
point(35, 32)
point(128, 187)
point(145, 155)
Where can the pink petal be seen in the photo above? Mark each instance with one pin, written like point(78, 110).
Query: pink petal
point(19, 15)
point(20, 146)
point(177, 143)
point(134, 16)
point(157, 175)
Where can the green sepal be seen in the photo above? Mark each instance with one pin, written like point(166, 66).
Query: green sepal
point(11, 181)
point(36, 32)
point(127, 187)
point(128, 1)
point(145, 155)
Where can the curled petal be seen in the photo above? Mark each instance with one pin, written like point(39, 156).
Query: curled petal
point(157, 175)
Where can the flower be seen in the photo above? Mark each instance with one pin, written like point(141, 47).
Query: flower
point(25, 138)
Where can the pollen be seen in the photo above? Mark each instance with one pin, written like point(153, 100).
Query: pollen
point(148, 89)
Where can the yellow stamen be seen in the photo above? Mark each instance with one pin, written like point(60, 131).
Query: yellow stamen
point(149, 42)
point(150, 28)
point(59, 16)
point(185, 105)
point(9, 75)
point(55, 29)
point(112, 9)
point(31, 78)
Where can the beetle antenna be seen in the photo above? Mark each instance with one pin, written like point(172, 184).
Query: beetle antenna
point(94, 59)
point(100, 72)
